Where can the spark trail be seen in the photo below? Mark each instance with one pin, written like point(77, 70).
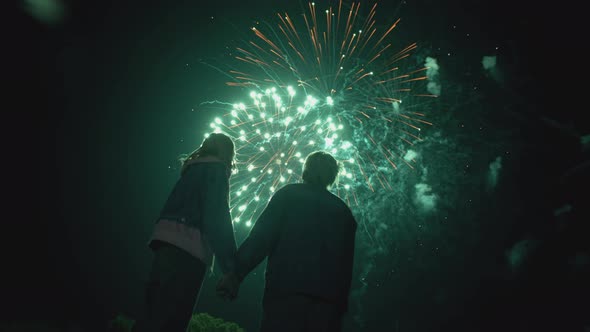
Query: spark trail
point(330, 81)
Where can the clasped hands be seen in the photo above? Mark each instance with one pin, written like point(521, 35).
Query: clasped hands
point(228, 286)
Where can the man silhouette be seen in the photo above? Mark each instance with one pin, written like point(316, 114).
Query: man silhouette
point(308, 235)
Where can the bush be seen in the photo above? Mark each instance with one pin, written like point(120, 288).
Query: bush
point(121, 323)
point(203, 322)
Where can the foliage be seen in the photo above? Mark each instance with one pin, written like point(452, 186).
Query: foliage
point(203, 322)
point(200, 322)
point(121, 323)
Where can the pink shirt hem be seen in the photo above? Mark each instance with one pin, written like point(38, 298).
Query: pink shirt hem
point(185, 237)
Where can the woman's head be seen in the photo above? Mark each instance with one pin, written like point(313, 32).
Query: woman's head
point(215, 145)
point(320, 169)
point(220, 146)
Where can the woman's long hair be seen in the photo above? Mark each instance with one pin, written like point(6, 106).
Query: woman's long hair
point(215, 145)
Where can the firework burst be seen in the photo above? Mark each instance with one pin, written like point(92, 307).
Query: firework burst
point(326, 81)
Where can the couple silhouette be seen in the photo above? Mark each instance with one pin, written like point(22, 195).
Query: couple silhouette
point(306, 232)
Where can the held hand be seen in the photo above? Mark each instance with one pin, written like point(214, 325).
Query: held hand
point(228, 286)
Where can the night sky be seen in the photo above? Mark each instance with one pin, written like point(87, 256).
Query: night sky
point(108, 95)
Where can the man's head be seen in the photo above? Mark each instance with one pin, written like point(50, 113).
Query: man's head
point(320, 169)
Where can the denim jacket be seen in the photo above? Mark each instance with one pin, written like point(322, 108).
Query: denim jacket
point(196, 214)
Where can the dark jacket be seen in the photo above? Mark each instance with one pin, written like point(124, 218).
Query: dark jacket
point(308, 235)
point(198, 204)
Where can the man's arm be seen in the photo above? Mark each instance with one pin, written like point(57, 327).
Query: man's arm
point(216, 219)
point(350, 251)
point(261, 239)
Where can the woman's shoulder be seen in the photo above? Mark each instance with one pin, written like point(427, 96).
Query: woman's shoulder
point(204, 164)
point(213, 162)
point(207, 159)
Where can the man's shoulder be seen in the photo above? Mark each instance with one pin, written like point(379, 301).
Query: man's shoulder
point(341, 204)
point(289, 188)
point(327, 195)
